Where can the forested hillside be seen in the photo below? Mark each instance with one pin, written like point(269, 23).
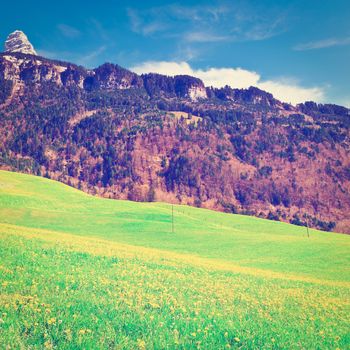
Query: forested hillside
point(116, 134)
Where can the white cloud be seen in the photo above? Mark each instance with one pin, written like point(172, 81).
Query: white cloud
point(204, 37)
point(163, 67)
point(209, 23)
point(90, 58)
point(287, 90)
point(142, 26)
point(292, 92)
point(324, 43)
point(68, 31)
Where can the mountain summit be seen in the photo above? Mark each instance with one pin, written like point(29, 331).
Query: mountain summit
point(18, 42)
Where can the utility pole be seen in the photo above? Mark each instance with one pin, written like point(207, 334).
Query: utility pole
point(172, 218)
point(307, 229)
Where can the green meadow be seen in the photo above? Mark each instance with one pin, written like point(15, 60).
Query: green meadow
point(81, 272)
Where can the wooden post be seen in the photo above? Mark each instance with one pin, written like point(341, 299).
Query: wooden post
point(172, 218)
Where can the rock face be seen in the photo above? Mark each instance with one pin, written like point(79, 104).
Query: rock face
point(18, 42)
point(29, 69)
point(179, 86)
point(197, 93)
point(111, 76)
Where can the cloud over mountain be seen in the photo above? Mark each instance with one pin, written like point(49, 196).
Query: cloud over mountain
point(285, 89)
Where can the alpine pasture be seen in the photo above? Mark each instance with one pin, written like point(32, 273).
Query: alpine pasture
point(81, 272)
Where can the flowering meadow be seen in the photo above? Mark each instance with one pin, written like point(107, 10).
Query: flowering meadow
point(79, 272)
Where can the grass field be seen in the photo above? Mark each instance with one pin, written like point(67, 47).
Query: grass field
point(80, 272)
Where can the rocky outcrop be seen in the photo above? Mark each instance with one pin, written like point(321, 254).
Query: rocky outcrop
point(111, 76)
point(29, 69)
point(183, 86)
point(313, 108)
point(74, 76)
point(253, 95)
point(187, 86)
point(18, 42)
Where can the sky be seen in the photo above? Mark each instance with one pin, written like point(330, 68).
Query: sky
point(298, 49)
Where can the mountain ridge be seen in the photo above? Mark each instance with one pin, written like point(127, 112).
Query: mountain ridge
point(17, 44)
point(118, 134)
point(225, 92)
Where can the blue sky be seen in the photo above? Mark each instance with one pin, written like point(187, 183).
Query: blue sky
point(296, 49)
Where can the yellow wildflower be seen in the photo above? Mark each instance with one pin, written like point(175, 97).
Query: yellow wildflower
point(48, 344)
point(141, 344)
point(51, 321)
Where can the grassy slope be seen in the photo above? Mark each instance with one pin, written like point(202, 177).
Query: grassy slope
point(221, 280)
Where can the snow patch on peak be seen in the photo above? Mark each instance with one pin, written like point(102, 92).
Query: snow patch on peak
point(18, 42)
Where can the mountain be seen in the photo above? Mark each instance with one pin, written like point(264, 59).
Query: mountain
point(18, 42)
point(111, 132)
